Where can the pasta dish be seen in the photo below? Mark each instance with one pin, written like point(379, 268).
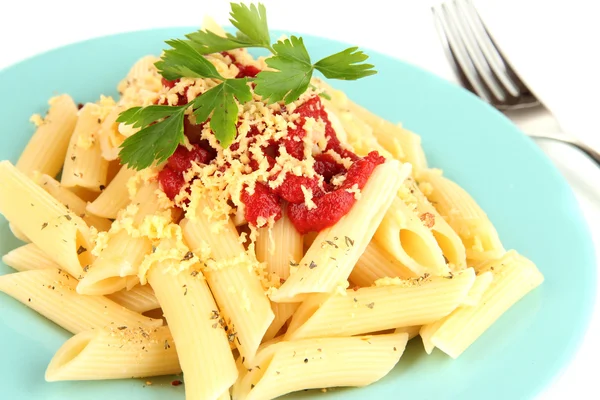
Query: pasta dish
point(260, 240)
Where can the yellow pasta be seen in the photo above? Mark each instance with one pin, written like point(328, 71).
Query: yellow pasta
point(28, 257)
point(286, 367)
point(72, 202)
point(330, 259)
point(376, 263)
point(300, 249)
point(447, 239)
point(397, 304)
point(514, 277)
point(194, 321)
point(117, 264)
point(399, 142)
point(115, 353)
point(464, 216)
point(60, 233)
point(47, 147)
point(481, 285)
point(139, 299)
point(51, 292)
point(109, 137)
point(84, 165)
point(18, 233)
point(115, 197)
point(278, 247)
point(402, 234)
point(236, 288)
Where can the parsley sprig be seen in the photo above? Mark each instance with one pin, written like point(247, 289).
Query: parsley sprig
point(292, 69)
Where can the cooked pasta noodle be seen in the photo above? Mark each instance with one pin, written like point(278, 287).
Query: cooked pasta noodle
point(297, 246)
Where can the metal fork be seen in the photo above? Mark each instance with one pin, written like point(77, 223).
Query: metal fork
point(481, 68)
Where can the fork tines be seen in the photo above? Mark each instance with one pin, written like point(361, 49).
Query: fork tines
point(475, 58)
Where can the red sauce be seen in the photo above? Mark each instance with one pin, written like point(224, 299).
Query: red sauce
point(171, 176)
point(245, 70)
point(171, 181)
point(262, 203)
point(332, 202)
point(334, 205)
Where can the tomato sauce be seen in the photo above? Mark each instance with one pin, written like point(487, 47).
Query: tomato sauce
point(332, 201)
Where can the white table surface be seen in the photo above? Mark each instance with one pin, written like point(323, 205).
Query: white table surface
point(403, 30)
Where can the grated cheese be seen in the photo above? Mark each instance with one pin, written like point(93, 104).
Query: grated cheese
point(355, 190)
point(36, 119)
point(308, 198)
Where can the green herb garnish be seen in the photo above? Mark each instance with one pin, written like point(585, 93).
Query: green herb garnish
point(162, 126)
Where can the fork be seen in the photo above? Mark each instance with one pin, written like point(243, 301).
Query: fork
point(482, 69)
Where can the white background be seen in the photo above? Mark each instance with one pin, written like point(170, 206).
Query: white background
point(403, 29)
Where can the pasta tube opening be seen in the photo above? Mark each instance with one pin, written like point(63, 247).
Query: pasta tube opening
point(448, 248)
point(69, 351)
point(416, 247)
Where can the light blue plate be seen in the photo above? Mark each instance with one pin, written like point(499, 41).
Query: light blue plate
point(524, 195)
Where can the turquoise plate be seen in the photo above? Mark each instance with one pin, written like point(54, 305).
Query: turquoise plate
point(531, 205)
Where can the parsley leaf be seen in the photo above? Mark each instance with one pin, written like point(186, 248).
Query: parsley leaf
point(183, 60)
point(162, 126)
point(139, 117)
point(157, 141)
point(345, 65)
point(293, 74)
point(220, 100)
point(251, 22)
point(209, 42)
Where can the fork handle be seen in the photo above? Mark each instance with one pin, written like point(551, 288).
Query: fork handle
point(590, 152)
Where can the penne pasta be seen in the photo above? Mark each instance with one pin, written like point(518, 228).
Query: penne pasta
point(447, 239)
point(480, 286)
point(464, 216)
point(236, 288)
point(514, 277)
point(373, 309)
point(46, 149)
point(60, 233)
point(330, 259)
point(114, 198)
point(116, 353)
point(402, 234)
point(260, 244)
point(51, 292)
point(411, 331)
point(278, 247)
point(18, 233)
point(402, 144)
point(117, 264)
point(287, 367)
point(194, 320)
point(84, 165)
point(108, 135)
point(376, 263)
point(28, 257)
point(139, 299)
point(72, 202)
